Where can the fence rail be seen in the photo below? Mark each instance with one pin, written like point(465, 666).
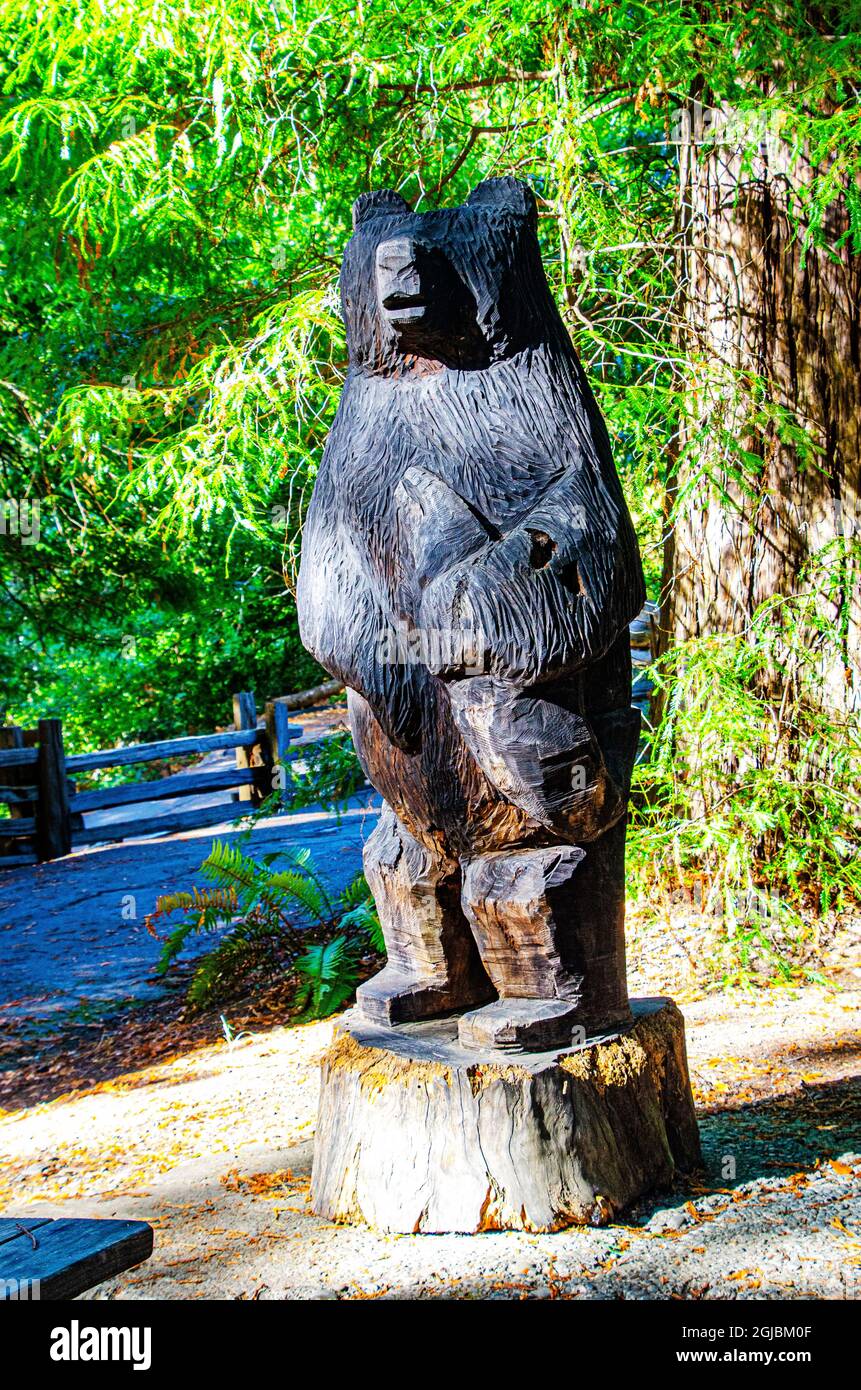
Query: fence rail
point(46, 810)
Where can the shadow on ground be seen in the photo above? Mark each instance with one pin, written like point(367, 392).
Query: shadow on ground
point(782, 1136)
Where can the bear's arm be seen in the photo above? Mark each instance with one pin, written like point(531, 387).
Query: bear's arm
point(348, 627)
point(551, 596)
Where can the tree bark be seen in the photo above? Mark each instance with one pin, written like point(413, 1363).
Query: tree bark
point(770, 445)
point(416, 1133)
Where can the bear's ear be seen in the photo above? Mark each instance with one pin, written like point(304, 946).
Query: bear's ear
point(506, 193)
point(381, 202)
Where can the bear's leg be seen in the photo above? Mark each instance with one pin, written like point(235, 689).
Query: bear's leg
point(433, 964)
point(550, 929)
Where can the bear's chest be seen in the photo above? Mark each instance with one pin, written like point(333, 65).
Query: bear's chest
point(486, 442)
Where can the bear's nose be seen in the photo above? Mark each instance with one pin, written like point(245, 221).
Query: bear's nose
point(399, 276)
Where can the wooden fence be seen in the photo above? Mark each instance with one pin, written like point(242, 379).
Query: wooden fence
point(47, 811)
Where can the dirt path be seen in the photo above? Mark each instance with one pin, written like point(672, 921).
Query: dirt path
point(214, 1148)
point(211, 1141)
point(72, 933)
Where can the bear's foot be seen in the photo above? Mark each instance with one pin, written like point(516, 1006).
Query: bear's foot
point(394, 997)
point(433, 963)
point(535, 1025)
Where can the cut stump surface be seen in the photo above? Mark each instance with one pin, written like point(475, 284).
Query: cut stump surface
point(417, 1134)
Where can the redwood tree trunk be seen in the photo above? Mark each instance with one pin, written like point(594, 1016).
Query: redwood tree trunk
point(770, 446)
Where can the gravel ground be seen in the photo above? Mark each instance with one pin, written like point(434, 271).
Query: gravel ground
point(214, 1148)
point(213, 1145)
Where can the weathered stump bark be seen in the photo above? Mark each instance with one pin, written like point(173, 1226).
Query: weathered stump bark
point(417, 1134)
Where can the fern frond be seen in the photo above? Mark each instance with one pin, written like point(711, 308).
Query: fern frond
point(361, 912)
point(357, 891)
point(220, 972)
point(269, 912)
point(289, 887)
point(328, 974)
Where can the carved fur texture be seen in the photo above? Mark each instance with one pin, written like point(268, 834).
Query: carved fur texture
point(469, 567)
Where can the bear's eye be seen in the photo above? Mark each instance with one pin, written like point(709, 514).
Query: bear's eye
point(382, 202)
point(542, 548)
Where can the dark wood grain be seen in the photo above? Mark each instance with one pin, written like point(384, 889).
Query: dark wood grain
point(70, 1256)
point(53, 820)
point(164, 748)
point(469, 570)
point(18, 757)
point(11, 1227)
point(20, 796)
point(24, 825)
point(190, 784)
point(173, 823)
point(20, 807)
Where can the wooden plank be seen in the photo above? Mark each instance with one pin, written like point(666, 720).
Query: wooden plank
point(165, 748)
point(280, 732)
point(24, 825)
point(18, 796)
point(245, 717)
point(53, 824)
point(194, 784)
point(304, 699)
point(171, 824)
point(190, 784)
point(13, 737)
point(259, 758)
point(13, 1226)
point(18, 757)
point(263, 767)
point(73, 1255)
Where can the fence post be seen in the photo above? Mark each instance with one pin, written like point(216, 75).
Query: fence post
point(259, 758)
point(245, 717)
point(53, 821)
point(280, 734)
point(11, 736)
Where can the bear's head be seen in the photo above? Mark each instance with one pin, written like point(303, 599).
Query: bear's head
point(456, 287)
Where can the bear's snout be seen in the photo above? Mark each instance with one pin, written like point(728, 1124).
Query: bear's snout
point(404, 273)
point(426, 305)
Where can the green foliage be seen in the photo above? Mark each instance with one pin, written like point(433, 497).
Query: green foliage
point(176, 188)
point(175, 191)
point(361, 912)
point(331, 775)
point(750, 798)
point(328, 975)
point(277, 920)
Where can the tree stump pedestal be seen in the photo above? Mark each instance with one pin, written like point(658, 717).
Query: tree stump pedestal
point(417, 1134)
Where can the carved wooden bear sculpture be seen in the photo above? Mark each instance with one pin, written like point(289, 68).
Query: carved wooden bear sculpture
point(469, 570)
